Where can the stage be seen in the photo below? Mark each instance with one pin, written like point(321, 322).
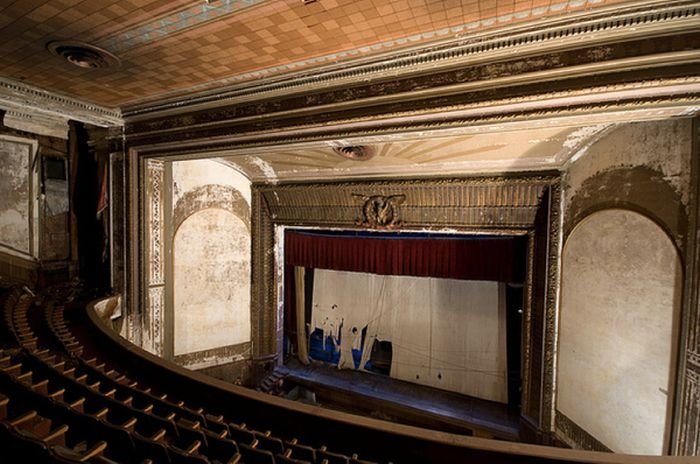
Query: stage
point(379, 396)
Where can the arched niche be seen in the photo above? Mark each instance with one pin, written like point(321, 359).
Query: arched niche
point(620, 296)
point(211, 282)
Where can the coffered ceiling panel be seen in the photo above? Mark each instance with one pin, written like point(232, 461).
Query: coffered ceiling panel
point(169, 48)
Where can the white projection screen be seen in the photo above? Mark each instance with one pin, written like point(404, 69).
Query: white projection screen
point(445, 333)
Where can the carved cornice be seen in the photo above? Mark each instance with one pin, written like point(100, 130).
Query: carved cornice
point(607, 25)
point(651, 99)
point(37, 123)
point(481, 202)
point(17, 96)
point(515, 78)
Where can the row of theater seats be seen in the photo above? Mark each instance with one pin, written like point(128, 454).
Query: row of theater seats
point(59, 405)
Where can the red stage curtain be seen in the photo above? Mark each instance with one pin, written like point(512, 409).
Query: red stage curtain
point(489, 258)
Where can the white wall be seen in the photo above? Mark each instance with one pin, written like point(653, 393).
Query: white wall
point(211, 261)
point(188, 175)
point(620, 295)
point(211, 278)
point(445, 333)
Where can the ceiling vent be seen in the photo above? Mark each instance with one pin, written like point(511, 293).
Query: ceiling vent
point(83, 54)
point(355, 152)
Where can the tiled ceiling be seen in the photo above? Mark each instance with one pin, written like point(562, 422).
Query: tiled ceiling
point(169, 48)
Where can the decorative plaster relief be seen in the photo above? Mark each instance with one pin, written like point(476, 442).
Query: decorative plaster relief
point(153, 336)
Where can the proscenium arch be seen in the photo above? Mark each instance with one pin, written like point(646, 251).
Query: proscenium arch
point(464, 205)
point(621, 293)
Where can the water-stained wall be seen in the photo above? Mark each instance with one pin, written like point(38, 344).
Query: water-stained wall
point(18, 196)
point(625, 227)
point(35, 209)
point(620, 295)
point(210, 278)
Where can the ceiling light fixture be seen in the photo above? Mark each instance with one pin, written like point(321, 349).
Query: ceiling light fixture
point(83, 54)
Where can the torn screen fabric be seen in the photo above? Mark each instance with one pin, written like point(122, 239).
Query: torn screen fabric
point(444, 333)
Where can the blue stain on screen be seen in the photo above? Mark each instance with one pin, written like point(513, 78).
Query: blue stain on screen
point(323, 351)
point(327, 352)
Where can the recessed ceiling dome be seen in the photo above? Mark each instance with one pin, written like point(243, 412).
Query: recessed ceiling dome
point(83, 54)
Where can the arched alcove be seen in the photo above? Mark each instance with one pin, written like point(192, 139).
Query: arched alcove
point(620, 297)
point(211, 282)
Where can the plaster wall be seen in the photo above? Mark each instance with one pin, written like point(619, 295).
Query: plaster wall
point(621, 291)
point(190, 175)
point(212, 268)
point(663, 146)
point(210, 264)
point(621, 284)
point(17, 196)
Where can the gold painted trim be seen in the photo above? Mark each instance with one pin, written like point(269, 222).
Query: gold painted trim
point(484, 204)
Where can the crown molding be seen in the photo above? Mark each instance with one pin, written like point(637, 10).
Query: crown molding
point(606, 25)
point(37, 123)
point(26, 99)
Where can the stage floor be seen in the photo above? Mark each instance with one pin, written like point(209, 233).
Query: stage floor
point(380, 396)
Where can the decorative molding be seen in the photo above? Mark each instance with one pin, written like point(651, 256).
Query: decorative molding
point(694, 360)
point(686, 422)
point(651, 99)
point(263, 290)
point(214, 356)
point(689, 429)
point(20, 97)
point(600, 26)
point(574, 436)
point(155, 252)
point(37, 123)
point(155, 172)
point(156, 304)
point(529, 406)
point(496, 202)
point(551, 329)
point(379, 211)
point(493, 205)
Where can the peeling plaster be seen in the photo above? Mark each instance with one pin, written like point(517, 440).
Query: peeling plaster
point(188, 175)
point(266, 168)
point(19, 206)
point(663, 146)
point(579, 141)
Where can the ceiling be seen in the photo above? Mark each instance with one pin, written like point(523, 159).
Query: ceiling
point(172, 48)
point(547, 148)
